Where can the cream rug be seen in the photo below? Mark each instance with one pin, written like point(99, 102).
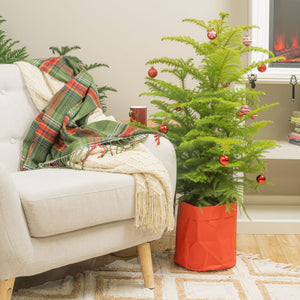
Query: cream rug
point(251, 279)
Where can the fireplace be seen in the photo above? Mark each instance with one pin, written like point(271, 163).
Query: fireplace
point(284, 39)
point(279, 32)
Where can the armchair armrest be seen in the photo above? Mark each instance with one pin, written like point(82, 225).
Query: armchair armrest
point(15, 246)
point(165, 152)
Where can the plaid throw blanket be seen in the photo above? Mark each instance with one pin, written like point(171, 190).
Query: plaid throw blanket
point(61, 129)
point(70, 132)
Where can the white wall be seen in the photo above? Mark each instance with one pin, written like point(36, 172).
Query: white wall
point(122, 33)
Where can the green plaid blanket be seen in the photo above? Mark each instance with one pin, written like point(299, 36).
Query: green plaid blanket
point(61, 128)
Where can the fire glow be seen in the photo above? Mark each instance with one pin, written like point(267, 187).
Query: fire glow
point(287, 47)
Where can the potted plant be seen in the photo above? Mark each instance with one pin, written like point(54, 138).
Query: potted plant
point(212, 125)
point(8, 54)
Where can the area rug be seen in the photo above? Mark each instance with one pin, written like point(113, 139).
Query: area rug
point(251, 279)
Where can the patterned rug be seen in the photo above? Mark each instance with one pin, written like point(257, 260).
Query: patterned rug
point(251, 279)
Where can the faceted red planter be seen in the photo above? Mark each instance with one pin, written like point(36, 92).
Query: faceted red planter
point(205, 240)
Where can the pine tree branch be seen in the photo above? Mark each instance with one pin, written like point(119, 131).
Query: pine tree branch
point(9, 55)
point(94, 65)
point(197, 22)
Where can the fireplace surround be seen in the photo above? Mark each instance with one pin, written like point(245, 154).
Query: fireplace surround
point(272, 38)
point(276, 210)
point(284, 38)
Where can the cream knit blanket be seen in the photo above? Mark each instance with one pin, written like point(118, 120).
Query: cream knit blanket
point(154, 203)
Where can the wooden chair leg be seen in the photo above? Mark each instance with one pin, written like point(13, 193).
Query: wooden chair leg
point(144, 251)
point(6, 288)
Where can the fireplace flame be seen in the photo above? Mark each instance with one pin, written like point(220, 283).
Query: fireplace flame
point(295, 41)
point(282, 42)
point(279, 42)
point(287, 47)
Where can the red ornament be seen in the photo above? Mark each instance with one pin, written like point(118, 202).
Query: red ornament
point(152, 72)
point(262, 68)
point(212, 34)
point(224, 160)
point(225, 84)
point(245, 109)
point(260, 178)
point(247, 41)
point(240, 114)
point(163, 128)
point(254, 116)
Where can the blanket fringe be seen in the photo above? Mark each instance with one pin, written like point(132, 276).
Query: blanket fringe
point(150, 212)
point(70, 160)
point(153, 213)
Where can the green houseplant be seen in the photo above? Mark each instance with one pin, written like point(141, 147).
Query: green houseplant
point(8, 54)
point(210, 123)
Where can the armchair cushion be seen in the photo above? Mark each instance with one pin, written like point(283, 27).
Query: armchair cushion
point(62, 200)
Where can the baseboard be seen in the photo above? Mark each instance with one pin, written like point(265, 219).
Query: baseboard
point(270, 219)
point(268, 226)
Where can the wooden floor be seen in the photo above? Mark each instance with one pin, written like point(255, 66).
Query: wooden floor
point(278, 248)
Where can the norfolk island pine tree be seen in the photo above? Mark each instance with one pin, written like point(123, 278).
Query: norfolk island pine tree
point(205, 122)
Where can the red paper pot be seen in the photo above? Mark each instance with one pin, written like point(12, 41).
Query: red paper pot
point(205, 241)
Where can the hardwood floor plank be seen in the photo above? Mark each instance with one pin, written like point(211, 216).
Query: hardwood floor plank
point(247, 243)
point(269, 247)
point(290, 246)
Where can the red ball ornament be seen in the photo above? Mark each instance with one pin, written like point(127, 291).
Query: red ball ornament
point(225, 84)
point(163, 128)
point(212, 34)
point(224, 160)
point(254, 116)
point(247, 41)
point(152, 72)
point(245, 109)
point(262, 68)
point(240, 114)
point(260, 178)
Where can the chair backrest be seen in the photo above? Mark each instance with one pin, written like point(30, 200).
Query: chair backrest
point(17, 113)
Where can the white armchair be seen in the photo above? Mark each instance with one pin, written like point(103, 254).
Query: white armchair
point(54, 217)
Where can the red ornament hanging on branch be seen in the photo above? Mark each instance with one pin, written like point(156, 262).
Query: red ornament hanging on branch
point(225, 84)
point(262, 68)
point(245, 109)
point(152, 72)
point(163, 128)
point(254, 116)
point(240, 114)
point(224, 160)
point(260, 178)
point(212, 34)
point(247, 41)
